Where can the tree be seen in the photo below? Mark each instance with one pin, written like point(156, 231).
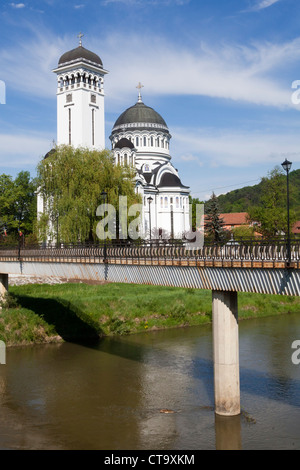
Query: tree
point(271, 213)
point(214, 230)
point(71, 181)
point(17, 203)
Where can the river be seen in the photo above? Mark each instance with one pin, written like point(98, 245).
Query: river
point(114, 395)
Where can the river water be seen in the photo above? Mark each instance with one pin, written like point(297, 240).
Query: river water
point(113, 395)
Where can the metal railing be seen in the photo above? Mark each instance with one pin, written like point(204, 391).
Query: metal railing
point(244, 250)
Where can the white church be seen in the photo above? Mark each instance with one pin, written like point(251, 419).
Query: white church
point(140, 137)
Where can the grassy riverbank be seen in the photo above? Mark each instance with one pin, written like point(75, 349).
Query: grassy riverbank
point(69, 312)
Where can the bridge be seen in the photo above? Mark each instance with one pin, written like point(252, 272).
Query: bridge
point(259, 267)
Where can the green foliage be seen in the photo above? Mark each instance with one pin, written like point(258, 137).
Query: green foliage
point(271, 212)
point(17, 205)
point(243, 232)
point(71, 181)
point(241, 200)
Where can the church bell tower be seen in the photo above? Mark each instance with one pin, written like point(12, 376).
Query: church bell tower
point(80, 99)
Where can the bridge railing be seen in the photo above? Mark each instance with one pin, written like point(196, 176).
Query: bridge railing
point(248, 250)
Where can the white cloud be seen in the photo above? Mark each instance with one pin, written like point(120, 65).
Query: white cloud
point(147, 2)
point(234, 72)
point(238, 73)
point(238, 149)
point(262, 4)
point(17, 5)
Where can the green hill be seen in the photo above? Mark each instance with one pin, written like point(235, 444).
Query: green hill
point(240, 200)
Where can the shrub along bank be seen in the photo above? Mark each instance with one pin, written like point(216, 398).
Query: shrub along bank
point(33, 314)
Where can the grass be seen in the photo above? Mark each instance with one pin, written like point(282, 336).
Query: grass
point(72, 312)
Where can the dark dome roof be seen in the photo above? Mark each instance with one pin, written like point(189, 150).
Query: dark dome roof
point(80, 53)
point(50, 153)
point(124, 143)
point(170, 180)
point(140, 113)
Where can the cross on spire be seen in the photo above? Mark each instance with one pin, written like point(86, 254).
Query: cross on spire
point(139, 87)
point(80, 35)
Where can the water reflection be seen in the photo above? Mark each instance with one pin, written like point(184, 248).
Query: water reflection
point(228, 432)
point(110, 395)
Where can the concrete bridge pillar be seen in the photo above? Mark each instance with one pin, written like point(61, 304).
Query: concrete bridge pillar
point(3, 285)
point(226, 353)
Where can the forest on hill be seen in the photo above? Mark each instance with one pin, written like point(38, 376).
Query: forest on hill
point(242, 200)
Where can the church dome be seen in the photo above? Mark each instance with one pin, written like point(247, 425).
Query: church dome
point(80, 53)
point(140, 117)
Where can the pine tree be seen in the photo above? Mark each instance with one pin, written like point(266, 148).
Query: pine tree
point(214, 230)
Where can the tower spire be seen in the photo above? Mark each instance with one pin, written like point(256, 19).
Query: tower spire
point(139, 87)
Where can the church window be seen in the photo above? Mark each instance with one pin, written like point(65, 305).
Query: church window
point(118, 159)
point(69, 98)
point(93, 127)
point(177, 202)
point(161, 202)
point(93, 98)
point(166, 202)
point(145, 142)
point(146, 167)
point(157, 142)
point(125, 159)
point(151, 141)
point(137, 141)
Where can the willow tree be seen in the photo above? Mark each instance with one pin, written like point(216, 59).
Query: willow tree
point(71, 181)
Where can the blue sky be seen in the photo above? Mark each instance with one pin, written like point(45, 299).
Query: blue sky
point(220, 72)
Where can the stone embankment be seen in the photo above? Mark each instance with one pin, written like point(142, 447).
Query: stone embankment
point(16, 280)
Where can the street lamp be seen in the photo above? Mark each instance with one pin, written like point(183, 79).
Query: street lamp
point(150, 199)
point(286, 165)
point(104, 198)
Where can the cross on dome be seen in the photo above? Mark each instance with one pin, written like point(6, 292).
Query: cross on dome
point(80, 35)
point(139, 87)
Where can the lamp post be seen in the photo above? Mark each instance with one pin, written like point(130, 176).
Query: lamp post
point(286, 165)
point(150, 199)
point(104, 198)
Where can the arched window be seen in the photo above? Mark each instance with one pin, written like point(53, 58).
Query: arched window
point(125, 159)
point(177, 202)
point(166, 202)
point(151, 141)
point(137, 141)
point(145, 141)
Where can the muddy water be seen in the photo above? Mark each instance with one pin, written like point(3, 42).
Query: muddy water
point(152, 391)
